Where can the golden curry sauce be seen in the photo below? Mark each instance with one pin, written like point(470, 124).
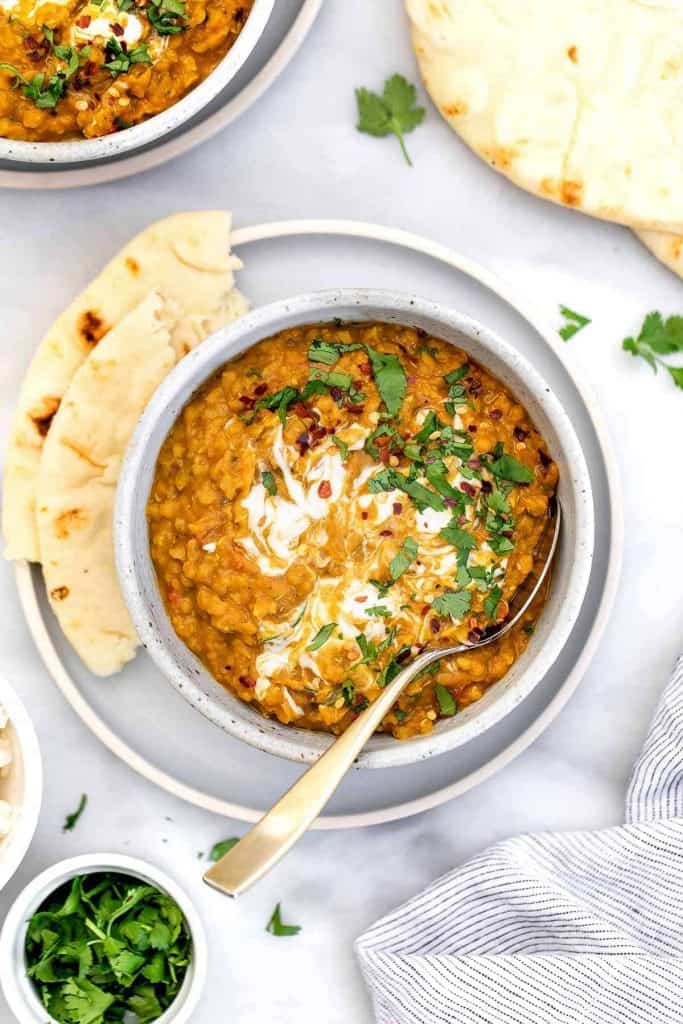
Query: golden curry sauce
point(336, 499)
point(73, 69)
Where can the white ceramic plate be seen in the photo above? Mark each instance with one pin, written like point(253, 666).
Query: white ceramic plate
point(287, 27)
point(136, 713)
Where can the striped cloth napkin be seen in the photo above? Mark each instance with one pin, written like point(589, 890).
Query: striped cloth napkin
point(575, 927)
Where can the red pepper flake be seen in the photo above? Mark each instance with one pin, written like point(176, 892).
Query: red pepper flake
point(468, 489)
point(356, 408)
point(472, 428)
point(325, 489)
point(303, 443)
point(358, 384)
point(364, 515)
point(496, 414)
point(302, 411)
point(520, 434)
point(382, 441)
point(317, 433)
point(247, 401)
point(425, 609)
point(386, 533)
point(361, 598)
point(450, 502)
point(248, 681)
point(365, 368)
point(172, 596)
point(384, 456)
point(84, 21)
point(435, 625)
point(411, 378)
point(474, 463)
point(260, 389)
point(474, 635)
point(474, 385)
point(397, 508)
point(336, 393)
point(116, 28)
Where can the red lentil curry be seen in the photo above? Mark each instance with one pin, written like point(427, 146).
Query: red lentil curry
point(334, 500)
point(73, 69)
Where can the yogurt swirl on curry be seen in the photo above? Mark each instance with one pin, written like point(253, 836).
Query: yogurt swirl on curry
point(71, 69)
point(334, 500)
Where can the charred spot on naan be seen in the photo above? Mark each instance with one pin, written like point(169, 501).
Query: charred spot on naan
point(91, 327)
point(132, 265)
point(568, 192)
point(59, 593)
point(68, 522)
point(573, 54)
point(43, 416)
point(457, 109)
point(500, 157)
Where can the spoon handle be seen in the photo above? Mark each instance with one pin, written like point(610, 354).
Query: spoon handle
point(279, 829)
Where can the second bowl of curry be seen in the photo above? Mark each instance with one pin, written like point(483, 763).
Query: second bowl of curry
point(326, 488)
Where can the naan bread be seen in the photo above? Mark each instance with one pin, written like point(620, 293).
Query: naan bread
point(186, 257)
point(667, 248)
point(578, 102)
point(79, 469)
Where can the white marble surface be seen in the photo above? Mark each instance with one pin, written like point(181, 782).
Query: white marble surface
point(297, 154)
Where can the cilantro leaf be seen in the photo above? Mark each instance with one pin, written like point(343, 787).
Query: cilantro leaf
point(574, 323)
point(71, 820)
point(379, 609)
point(403, 558)
point(279, 401)
point(219, 850)
point(430, 424)
point(167, 16)
point(458, 538)
point(492, 601)
point(120, 60)
point(455, 603)
point(268, 481)
point(276, 926)
point(506, 467)
point(320, 351)
point(657, 338)
point(342, 446)
point(322, 636)
point(394, 112)
point(447, 704)
point(390, 379)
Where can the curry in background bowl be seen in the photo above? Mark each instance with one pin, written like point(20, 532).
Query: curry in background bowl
point(337, 498)
point(81, 70)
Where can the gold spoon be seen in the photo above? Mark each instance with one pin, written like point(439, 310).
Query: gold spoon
point(263, 846)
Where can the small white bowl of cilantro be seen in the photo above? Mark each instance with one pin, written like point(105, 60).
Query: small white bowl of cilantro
point(99, 939)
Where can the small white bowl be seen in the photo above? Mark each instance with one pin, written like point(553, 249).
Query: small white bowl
point(138, 580)
point(18, 988)
point(79, 150)
point(22, 785)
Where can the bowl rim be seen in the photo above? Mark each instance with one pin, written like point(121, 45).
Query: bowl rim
point(17, 987)
point(28, 812)
point(73, 151)
point(243, 722)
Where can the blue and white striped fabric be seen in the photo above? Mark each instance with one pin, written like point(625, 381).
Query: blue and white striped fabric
point(567, 928)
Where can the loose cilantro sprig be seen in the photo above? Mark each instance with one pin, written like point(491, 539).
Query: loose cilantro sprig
point(219, 850)
point(277, 927)
point(657, 338)
point(121, 60)
point(105, 947)
point(322, 636)
point(392, 113)
point(574, 322)
point(167, 16)
point(71, 820)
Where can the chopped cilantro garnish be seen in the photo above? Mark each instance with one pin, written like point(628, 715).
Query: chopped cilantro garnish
point(276, 927)
point(342, 446)
point(382, 587)
point(390, 379)
point(379, 609)
point(506, 467)
point(657, 338)
point(322, 636)
point(367, 649)
point(498, 502)
point(219, 850)
point(431, 424)
point(71, 820)
point(120, 60)
point(459, 538)
point(437, 475)
point(279, 401)
point(404, 558)
point(492, 601)
point(320, 351)
point(447, 704)
point(167, 16)
point(574, 322)
point(392, 113)
point(268, 481)
point(455, 603)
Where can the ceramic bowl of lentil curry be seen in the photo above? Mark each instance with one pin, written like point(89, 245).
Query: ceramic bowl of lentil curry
point(85, 80)
point(326, 487)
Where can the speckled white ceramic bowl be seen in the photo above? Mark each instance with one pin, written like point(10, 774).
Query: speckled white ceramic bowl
point(138, 579)
point(21, 784)
point(18, 988)
point(77, 151)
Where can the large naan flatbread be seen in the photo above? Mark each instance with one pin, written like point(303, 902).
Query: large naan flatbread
point(578, 102)
point(186, 257)
point(667, 248)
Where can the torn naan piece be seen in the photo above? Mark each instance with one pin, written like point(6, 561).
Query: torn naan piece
point(578, 103)
point(186, 257)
